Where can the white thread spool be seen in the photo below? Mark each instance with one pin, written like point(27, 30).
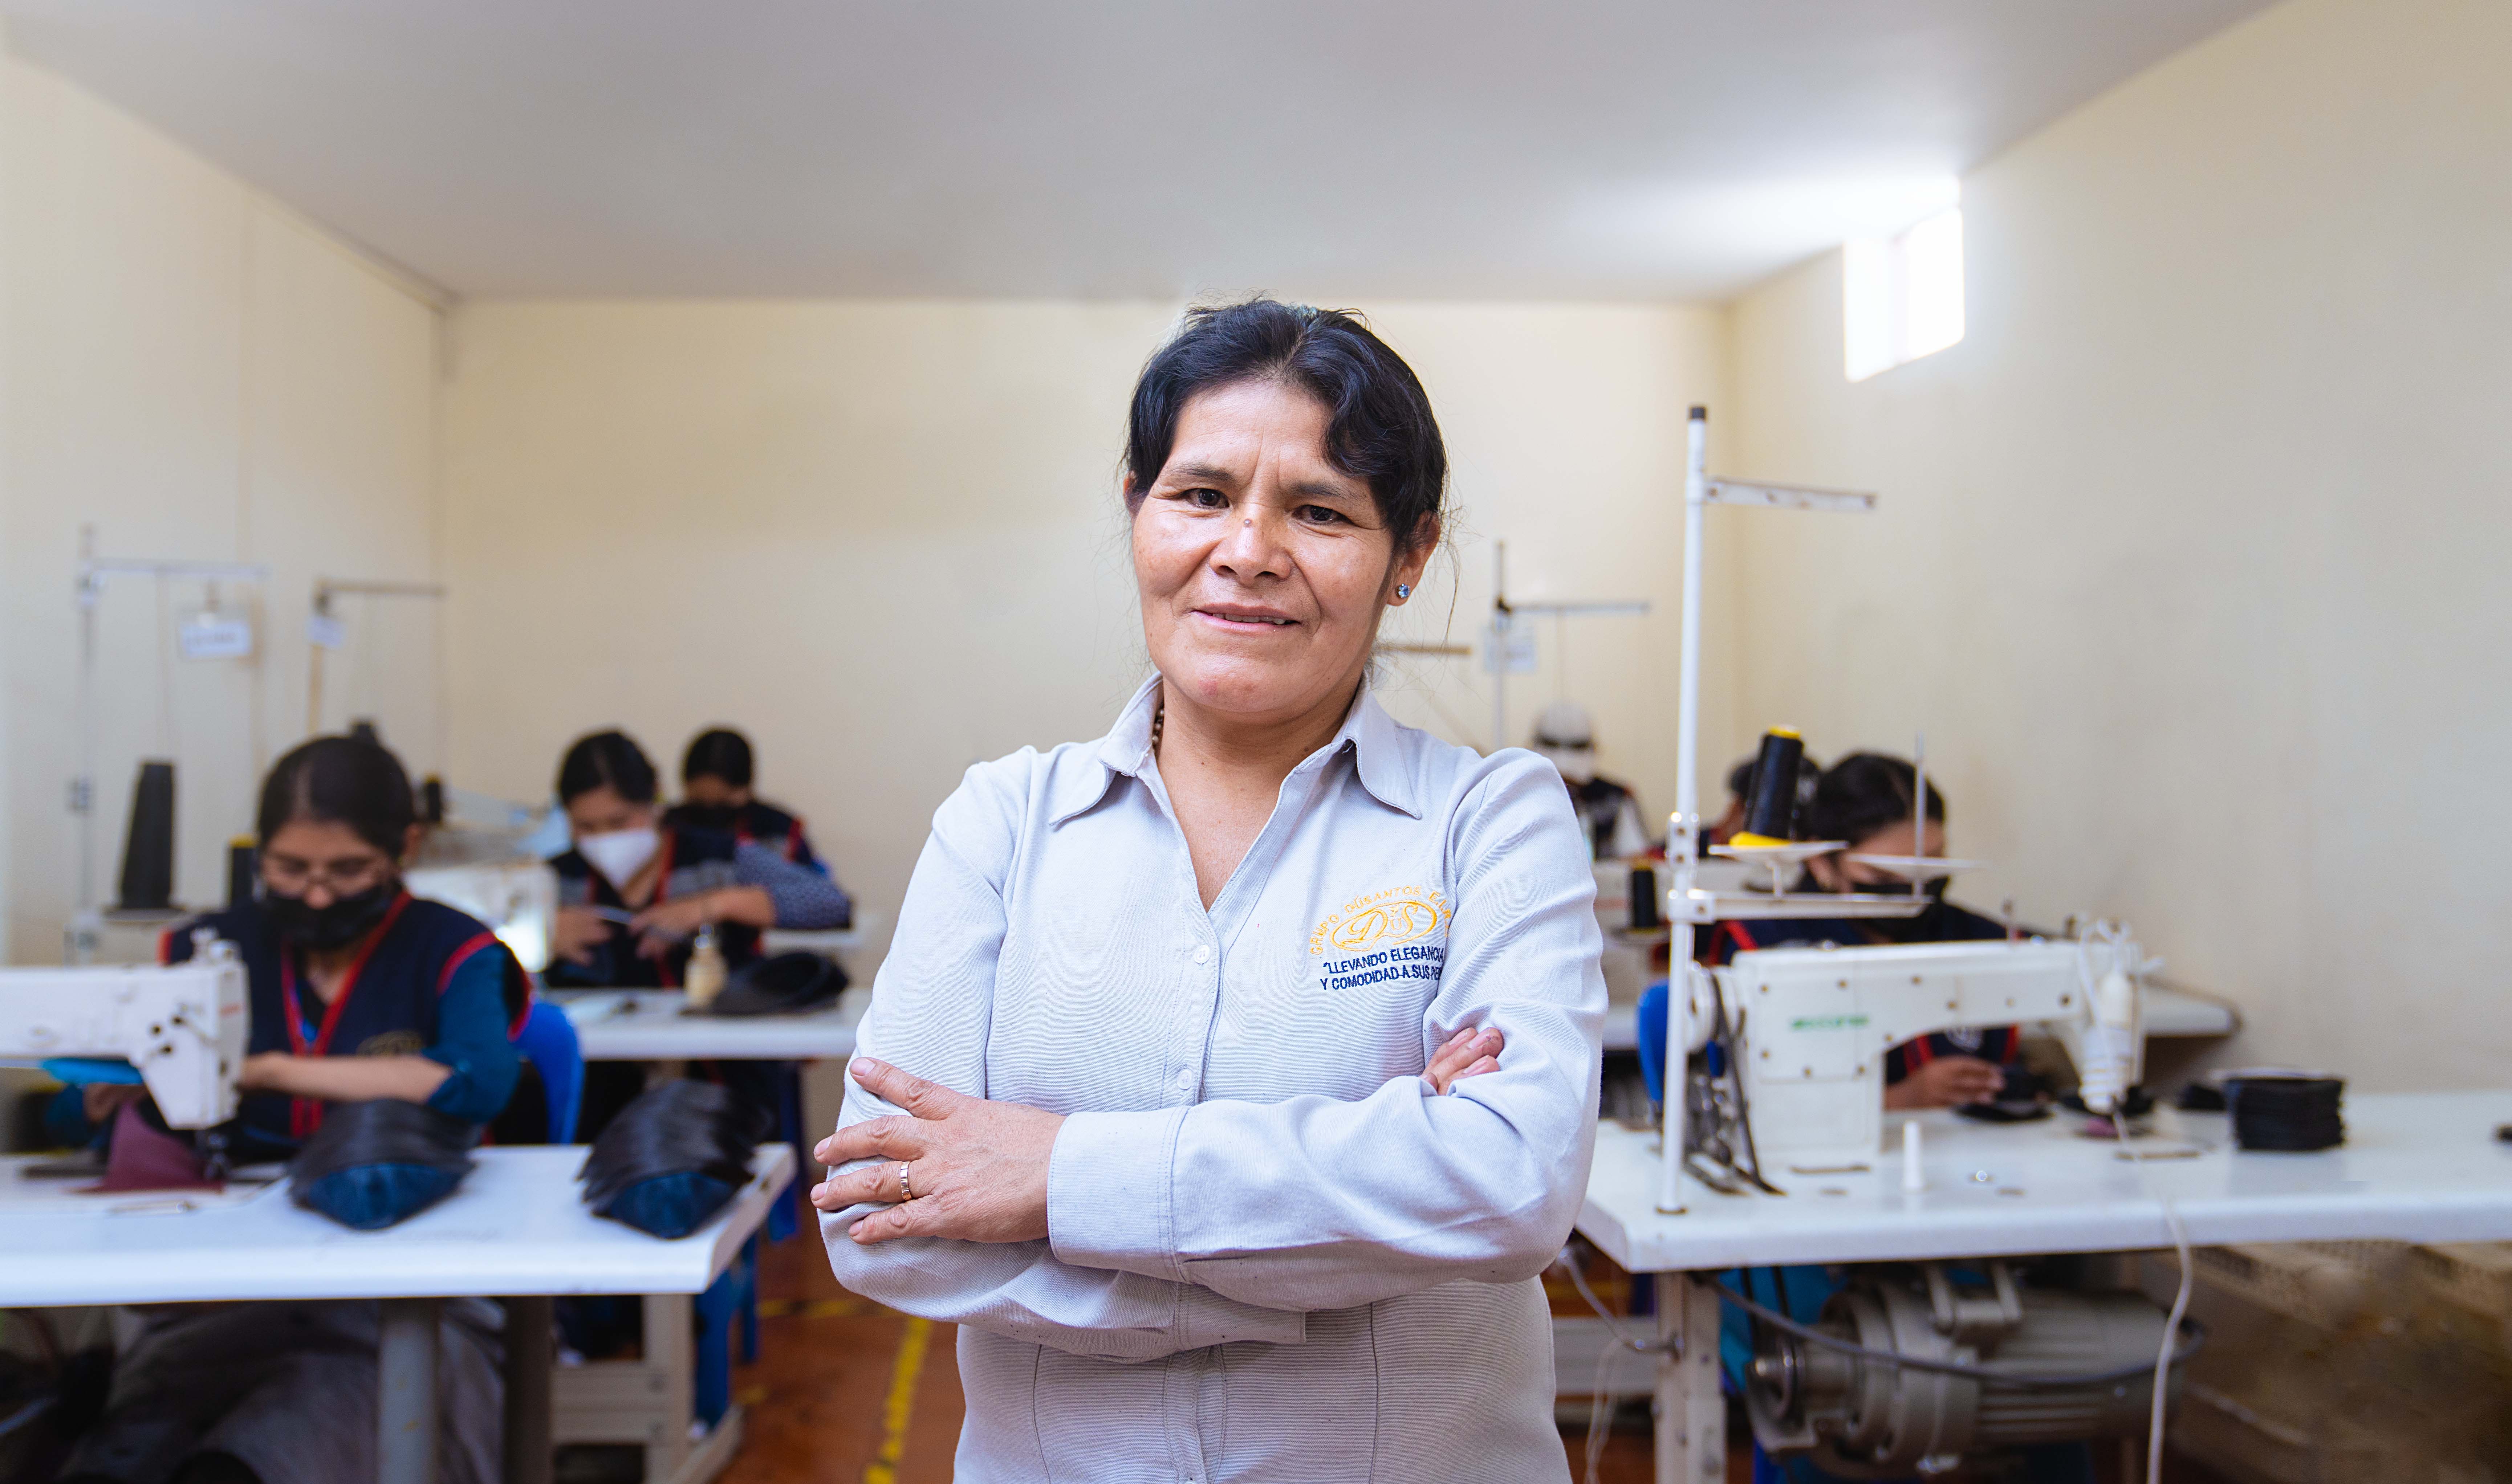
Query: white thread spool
point(1914, 1177)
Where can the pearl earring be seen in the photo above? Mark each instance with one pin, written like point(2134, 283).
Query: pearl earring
point(1402, 592)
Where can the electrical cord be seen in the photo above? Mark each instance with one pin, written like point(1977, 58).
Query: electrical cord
point(2180, 1304)
point(1985, 1376)
point(1596, 1401)
point(2113, 936)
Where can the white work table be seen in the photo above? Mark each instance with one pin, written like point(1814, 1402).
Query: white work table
point(649, 1026)
point(515, 1226)
point(2168, 1013)
point(2417, 1167)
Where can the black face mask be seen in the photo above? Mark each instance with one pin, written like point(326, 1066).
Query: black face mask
point(721, 818)
point(324, 928)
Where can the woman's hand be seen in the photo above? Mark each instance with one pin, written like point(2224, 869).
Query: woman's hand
point(1470, 1052)
point(577, 934)
point(1949, 1082)
point(103, 1102)
point(976, 1170)
point(665, 923)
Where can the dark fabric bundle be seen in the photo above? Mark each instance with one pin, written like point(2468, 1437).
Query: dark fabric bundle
point(669, 1160)
point(376, 1163)
point(2286, 1114)
point(789, 984)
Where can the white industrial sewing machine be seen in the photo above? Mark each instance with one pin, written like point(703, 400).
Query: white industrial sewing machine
point(517, 898)
point(1809, 1028)
point(184, 1025)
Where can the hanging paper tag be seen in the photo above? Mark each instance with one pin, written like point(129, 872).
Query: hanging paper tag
point(215, 635)
point(327, 631)
point(1514, 646)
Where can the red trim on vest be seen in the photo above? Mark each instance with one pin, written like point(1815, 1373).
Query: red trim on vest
point(1727, 932)
point(461, 956)
point(305, 1115)
point(662, 894)
point(793, 840)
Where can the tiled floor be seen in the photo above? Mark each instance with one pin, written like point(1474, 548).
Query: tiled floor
point(848, 1392)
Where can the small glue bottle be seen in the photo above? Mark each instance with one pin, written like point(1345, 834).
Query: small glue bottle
point(705, 976)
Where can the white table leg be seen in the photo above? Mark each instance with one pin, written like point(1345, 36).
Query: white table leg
point(405, 1410)
point(1691, 1416)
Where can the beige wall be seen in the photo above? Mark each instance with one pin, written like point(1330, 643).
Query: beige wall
point(200, 375)
point(2192, 554)
point(883, 538)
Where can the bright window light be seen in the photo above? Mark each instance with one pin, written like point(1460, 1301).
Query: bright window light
point(1902, 297)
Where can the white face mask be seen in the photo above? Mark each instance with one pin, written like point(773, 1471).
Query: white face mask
point(619, 854)
point(1578, 764)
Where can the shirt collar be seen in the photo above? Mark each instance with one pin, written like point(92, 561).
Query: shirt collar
point(1368, 732)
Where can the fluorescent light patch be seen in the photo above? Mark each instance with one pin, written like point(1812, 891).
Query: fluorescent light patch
point(1902, 296)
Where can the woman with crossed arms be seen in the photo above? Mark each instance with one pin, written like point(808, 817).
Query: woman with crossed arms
point(1233, 1076)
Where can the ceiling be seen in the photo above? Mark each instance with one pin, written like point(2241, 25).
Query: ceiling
point(1121, 148)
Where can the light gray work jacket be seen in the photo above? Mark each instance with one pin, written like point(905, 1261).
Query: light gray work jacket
point(1272, 1254)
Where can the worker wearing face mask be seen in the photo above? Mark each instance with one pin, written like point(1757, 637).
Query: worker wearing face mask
point(1566, 737)
point(359, 992)
point(635, 890)
point(1867, 799)
point(715, 794)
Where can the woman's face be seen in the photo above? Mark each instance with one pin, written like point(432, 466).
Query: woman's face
point(1839, 873)
point(601, 811)
point(1263, 569)
point(321, 861)
point(710, 792)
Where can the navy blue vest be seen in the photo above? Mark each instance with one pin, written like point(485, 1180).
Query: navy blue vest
point(388, 1007)
point(616, 964)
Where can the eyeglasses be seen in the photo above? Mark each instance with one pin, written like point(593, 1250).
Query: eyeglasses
point(340, 877)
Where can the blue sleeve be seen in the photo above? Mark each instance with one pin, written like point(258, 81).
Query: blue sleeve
point(471, 1040)
point(805, 898)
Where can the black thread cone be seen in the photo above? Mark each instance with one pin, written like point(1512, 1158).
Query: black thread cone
point(148, 852)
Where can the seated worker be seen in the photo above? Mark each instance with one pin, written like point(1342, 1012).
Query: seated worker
point(670, 880)
point(1865, 798)
point(1566, 737)
point(359, 990)
point(674, 879)
point(716, 794)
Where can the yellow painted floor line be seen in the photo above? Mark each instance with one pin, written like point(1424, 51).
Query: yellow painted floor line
point(900, 1405)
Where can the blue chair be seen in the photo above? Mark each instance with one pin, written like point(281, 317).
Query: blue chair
point(1652, 1037)
point(548, 1041)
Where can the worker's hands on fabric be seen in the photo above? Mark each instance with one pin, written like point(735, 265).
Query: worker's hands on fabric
point(1470, 1052)
point(976, 1169)
point(103, 1102)
point(679, 917)
point(577, 934)
point(1949, 1082)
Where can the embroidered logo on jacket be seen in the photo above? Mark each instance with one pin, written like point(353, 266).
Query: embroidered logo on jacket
point(1379, 936)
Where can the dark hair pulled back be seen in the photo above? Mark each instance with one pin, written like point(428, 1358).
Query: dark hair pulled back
point(1379, 427)
point(719, 752)
point(610, 759)
point(340, 780)
point(1864, 793)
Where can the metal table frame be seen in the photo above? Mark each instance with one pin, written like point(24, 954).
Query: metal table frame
point(2417, 1167)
